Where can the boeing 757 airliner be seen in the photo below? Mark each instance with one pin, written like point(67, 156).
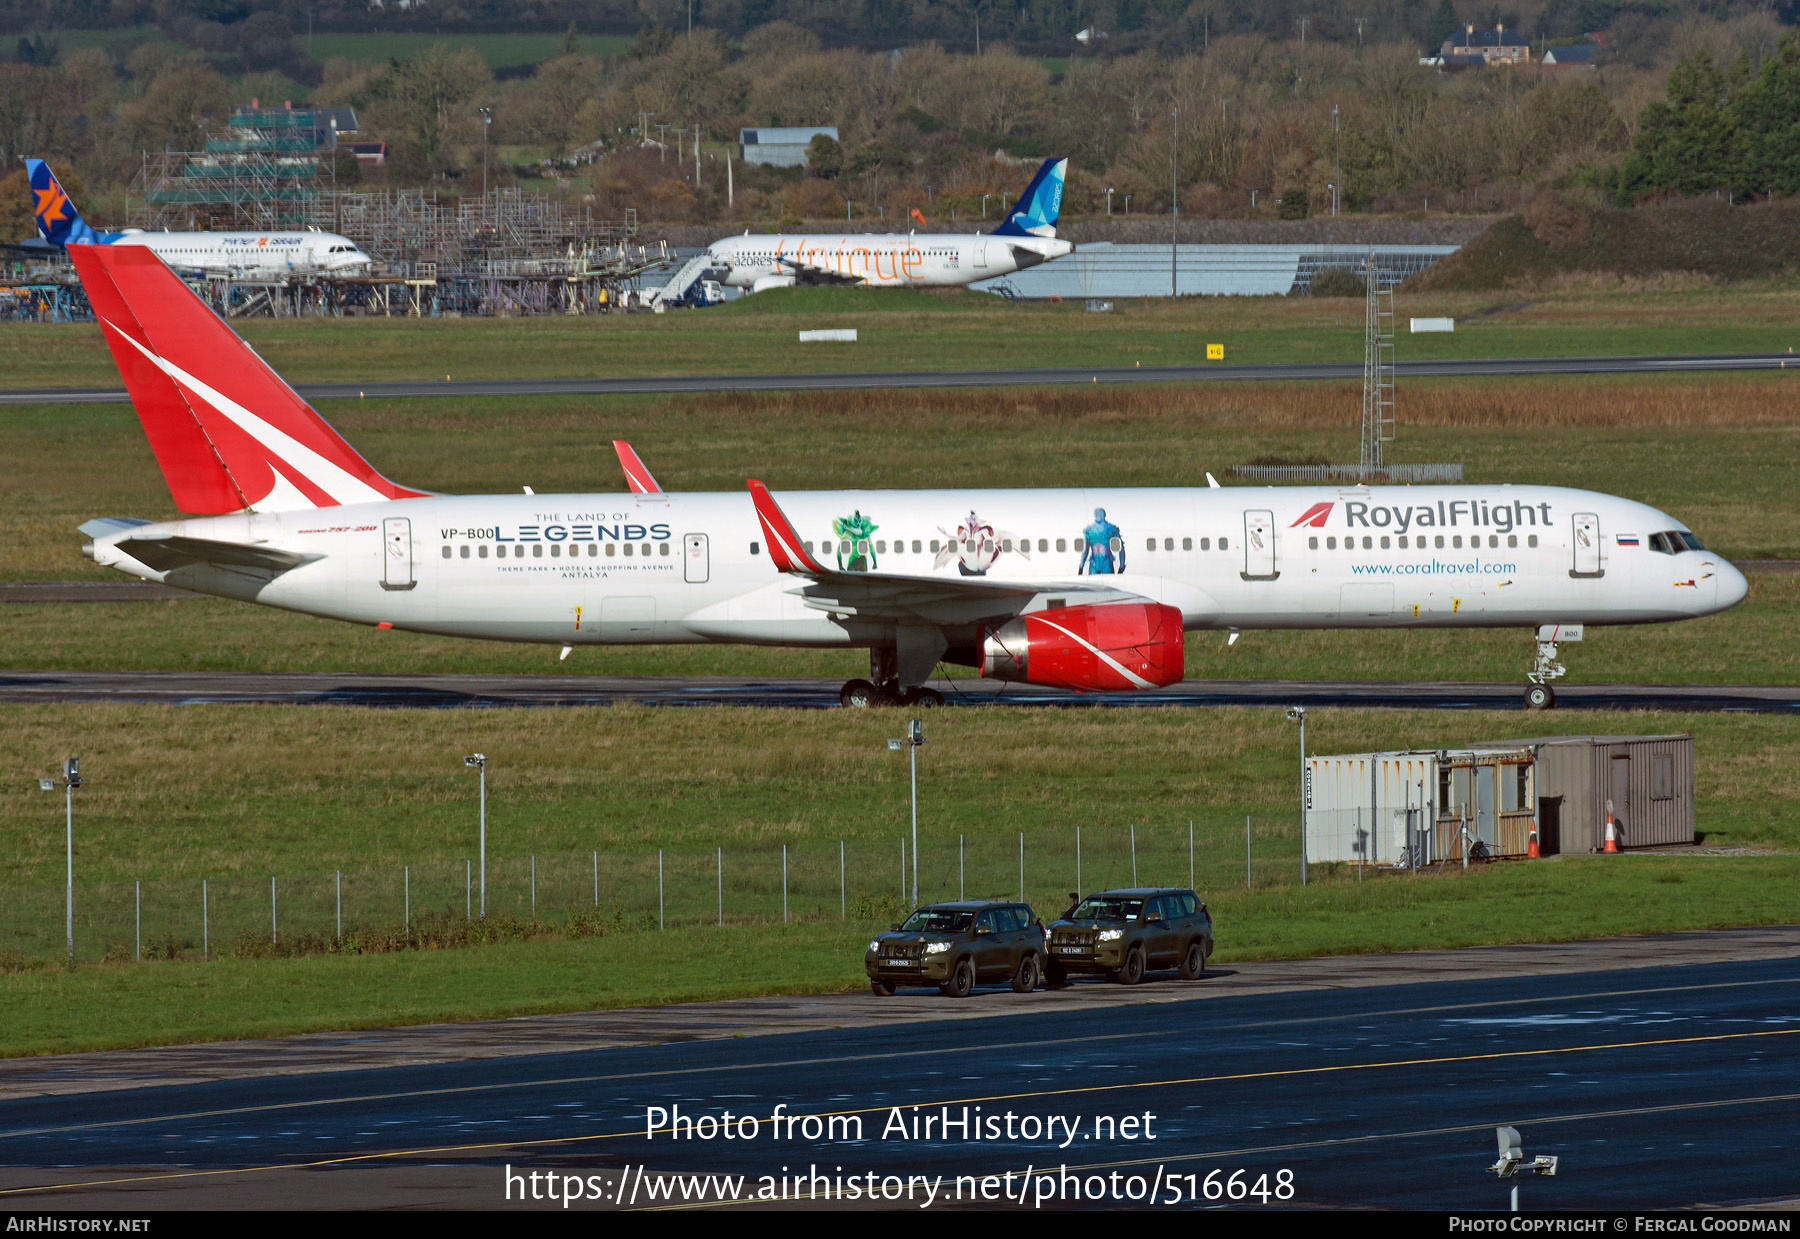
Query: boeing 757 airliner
point(1089, 589)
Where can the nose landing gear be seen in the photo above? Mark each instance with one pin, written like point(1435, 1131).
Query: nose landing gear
point(1544, 668)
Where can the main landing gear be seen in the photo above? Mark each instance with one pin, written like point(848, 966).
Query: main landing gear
point(1544, 668)
point(864, 693)
point(883, 687)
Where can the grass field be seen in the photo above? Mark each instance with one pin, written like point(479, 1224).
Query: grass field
point(500, 51)
point(906, 330)
point(248, 791)
point(110, 1006)
point(238, 793)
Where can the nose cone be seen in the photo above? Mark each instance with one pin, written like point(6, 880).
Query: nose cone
point(1733, 587)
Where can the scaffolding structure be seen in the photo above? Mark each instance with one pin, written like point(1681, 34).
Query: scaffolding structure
point(1378, 364)
point(271, 169)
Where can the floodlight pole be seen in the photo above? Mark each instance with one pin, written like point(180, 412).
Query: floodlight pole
point(1298, 714)
point(915, 736)
point(69, 782)
point(479, 762)
point(487, 120)
point(1174, 196)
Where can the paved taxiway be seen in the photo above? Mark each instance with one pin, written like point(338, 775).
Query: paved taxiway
point(803, 692)
point(1218, 372)
point(1659, 1085)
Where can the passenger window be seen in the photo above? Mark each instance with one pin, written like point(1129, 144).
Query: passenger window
point(934, 546)
point(627, 550)
point(465, 552)
point(915, 546)
point(1312, 544)
point(1440, 542)
point(1403, 542)
point(1331, 543)
point(665, 550)
point(612, 548)
point(1368, 543)
point(1187, 544)
point(1456, 542)
point(1224, 544)
point(1512, 540)
point(1531, 540)
point(1168, 544)
point(537, 552)
point(1062, 544)
point(756, 548)
point(1149, 544)
point(481, 551)
point(1493, 541)
point(1384, 542)
point(446, 552)
point(1043, 544)
point(1206, 544)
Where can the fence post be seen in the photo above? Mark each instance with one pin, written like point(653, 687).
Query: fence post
point(596, 879)
point(406, 922)
point(1078, 885)
point(660, 922)
point(1190, 853)
point(468, 889)
point(784, 884)
point(961, 887)
point(274, 930)
point(1246, 851)
point(1021, 866)
point(534, 886)
point(843, 886)
point(140, 920)
point(721, 886)
point(1133, 830)
point(903, 869)
point(205, 939)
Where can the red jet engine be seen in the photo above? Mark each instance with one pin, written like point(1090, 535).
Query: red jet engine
point(1112, 647)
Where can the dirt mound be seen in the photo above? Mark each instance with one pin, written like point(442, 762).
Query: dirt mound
point(1552, 240)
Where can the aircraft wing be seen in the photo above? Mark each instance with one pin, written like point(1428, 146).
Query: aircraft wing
point(903, 598)
point(807, 271)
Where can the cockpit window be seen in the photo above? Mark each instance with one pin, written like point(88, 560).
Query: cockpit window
point(1674, 542)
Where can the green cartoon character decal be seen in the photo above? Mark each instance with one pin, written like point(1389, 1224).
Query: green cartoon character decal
point(855, 553)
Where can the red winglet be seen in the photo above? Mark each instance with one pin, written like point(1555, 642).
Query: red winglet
point(636, 476)
point(785, 547)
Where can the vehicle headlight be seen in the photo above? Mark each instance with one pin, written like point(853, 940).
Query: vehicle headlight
point(1109, 935)
point(875, 945)
point(936, 948)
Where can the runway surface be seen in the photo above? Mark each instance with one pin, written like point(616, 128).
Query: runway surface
point(1663, 1086)
point(483, 691)
point(1216, 373)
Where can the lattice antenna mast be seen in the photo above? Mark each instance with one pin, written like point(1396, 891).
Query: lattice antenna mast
point(1378, 364)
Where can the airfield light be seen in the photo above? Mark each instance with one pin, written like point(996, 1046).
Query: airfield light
point(1297, 714)
point(914, 737)
point(479, 762)
point(1512, 1161)
point(1110, 191)
point(69, 782)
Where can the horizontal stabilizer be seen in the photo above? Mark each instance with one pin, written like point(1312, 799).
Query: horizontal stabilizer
point(166, 553)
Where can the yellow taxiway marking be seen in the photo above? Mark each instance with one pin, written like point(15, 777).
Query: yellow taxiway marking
point(1285, 1073)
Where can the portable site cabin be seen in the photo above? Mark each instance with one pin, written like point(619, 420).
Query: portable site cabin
point(1407, 809)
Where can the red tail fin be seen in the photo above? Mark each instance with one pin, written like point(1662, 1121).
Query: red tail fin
point(227, 431)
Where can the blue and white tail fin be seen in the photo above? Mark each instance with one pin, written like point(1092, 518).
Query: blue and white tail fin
point(1036, 211)
point(58, 222)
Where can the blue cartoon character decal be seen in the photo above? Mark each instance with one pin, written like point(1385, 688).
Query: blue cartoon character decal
point(1102, 549)
point(855, 553)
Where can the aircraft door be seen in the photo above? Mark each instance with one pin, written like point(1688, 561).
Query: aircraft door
point(1587, 545)
point(397, 555)
point(1259, 547)
point(695, 558)
point(981, 248)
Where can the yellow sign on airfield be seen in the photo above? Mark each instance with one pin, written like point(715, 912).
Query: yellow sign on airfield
point(1215, 352)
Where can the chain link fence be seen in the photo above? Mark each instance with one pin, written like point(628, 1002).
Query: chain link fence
point(589, 893)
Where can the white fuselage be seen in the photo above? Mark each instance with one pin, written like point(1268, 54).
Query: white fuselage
point(252, 253)
point(907, 260)
point(613, 568)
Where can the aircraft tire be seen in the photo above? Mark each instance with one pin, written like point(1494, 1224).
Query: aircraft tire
point(859, 694)
point(1540, 697)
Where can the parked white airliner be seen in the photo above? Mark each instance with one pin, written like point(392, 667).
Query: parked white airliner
point(1089, 589)
point(242, 254)
point(763, 261)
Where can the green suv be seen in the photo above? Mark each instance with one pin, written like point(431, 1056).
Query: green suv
point(956, 946)
point(1125, 934)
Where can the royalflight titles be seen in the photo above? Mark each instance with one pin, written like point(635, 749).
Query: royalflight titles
point(902, 1123)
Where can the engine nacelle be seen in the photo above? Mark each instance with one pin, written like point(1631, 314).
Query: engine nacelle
point(1111, 647)
point(763, 283)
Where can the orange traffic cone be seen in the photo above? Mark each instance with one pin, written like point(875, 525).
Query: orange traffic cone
point(1612, 834)
point(1531, 848)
